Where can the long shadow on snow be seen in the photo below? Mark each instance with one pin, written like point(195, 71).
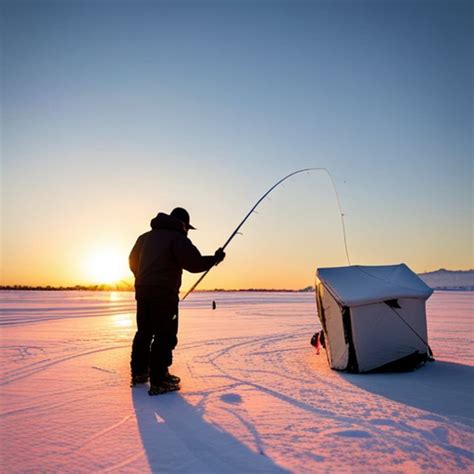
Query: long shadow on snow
point(177, 439)
point(444, 388)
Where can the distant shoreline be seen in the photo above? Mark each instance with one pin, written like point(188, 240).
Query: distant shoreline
point(308, 289)
point(441, 280)
point(217, 290)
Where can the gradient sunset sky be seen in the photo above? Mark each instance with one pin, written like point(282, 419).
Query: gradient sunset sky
point(113, 111)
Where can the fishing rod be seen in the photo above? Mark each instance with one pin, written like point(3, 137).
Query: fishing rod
point(236, 231)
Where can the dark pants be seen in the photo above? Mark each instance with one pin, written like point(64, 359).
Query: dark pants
point(156, 337)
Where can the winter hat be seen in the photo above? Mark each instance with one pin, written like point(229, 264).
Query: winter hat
point(183, 216)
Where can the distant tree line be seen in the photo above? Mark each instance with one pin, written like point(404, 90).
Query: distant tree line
point(68, 288)
point(264, 290)
point(128, 287)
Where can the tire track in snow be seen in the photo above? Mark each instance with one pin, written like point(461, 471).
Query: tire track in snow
point(254, 340)
point(259, 444)
point(124, 463)
point(51, 406)
point(12, 321)
point(424, 439)
point(102, 432)
point(266, 340)
point(27, 372)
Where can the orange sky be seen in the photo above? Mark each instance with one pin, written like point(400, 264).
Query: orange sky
point(281, 247)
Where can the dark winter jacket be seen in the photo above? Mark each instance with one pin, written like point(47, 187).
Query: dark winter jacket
point(159, 256)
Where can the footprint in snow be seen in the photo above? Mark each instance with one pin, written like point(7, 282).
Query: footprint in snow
point(233, 398)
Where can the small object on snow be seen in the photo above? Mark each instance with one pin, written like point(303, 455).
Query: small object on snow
point(318, 341)
point(213, 305)
point(164, 387)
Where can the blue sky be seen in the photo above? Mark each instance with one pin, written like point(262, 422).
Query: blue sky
point(112, 111)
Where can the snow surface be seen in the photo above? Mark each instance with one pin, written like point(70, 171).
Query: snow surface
point(255, 397)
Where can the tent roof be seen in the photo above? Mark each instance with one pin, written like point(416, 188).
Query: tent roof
point(358, 285)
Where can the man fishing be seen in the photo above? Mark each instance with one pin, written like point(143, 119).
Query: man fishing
point(157, 261)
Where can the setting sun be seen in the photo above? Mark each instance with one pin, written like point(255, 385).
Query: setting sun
point(107, 266)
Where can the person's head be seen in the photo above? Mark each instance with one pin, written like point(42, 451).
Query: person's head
point(182, 215)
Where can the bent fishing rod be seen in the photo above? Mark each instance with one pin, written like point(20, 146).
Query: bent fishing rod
point(236, 231)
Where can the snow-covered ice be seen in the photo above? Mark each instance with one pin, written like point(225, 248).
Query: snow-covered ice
point(255, 397)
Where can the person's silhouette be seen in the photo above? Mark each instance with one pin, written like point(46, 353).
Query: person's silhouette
point(157, 261)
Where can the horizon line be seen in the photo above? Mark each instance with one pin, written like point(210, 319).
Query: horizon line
point(111, 287)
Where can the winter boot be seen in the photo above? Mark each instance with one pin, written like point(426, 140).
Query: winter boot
point(172, 378)
point(163, 387)
point(138, 379)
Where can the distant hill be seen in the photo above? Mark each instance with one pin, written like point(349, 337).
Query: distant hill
point(443, 279)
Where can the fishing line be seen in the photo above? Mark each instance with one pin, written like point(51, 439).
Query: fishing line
point(430, 352)
point(236, 231)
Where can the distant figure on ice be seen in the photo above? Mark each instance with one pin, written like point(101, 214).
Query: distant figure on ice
point(157, 260)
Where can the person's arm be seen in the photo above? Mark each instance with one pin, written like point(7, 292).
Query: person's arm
point(191, 259)
point(134, 257)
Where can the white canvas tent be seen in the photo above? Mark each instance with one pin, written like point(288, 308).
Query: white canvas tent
point(373, 317)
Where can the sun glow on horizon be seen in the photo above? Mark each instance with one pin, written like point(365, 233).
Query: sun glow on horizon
point(106, 266)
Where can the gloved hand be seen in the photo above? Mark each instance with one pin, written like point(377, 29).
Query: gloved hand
point(219, 255)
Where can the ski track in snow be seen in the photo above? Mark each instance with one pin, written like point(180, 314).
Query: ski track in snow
point(254, 398)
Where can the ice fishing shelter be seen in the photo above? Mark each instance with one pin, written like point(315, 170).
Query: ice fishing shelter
point(373, 317)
